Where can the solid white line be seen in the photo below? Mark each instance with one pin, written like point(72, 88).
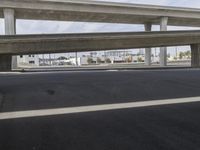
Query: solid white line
point(93, 108)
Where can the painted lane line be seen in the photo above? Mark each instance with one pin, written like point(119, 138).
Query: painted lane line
point(94, 108)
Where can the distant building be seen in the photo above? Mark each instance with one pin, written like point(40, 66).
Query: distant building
point(79, 61)
point(28, 60)
point(106, 57)
point(117, 56)
point(117, 53)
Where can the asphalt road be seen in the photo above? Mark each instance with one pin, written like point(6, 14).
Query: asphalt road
point(168, 127)
point(66, 89)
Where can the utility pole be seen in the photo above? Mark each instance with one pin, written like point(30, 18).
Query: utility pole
point(43, 59)
point(50, 59)
point(176, 52)
point(76, 58)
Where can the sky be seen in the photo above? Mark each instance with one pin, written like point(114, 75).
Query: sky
point(45, 27)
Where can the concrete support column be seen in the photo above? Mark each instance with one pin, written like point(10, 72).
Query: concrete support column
point(148, 27)
point(5, 62)
point(163, 50)
point(9, 16)
point(10, 29)
point(195, 48)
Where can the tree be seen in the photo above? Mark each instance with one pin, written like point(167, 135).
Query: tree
point(99, 60)
point(107, 60)
point(89, 60)
point(139, 59)
point(181, 55)
point(129, 59)
point(62, 58)
point(188, 54)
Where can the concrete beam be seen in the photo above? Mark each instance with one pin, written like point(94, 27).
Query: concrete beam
point(10, 29)
point(195, 48)
point(148, 27)
point(58, 43)
point(94, 11)
point(163, 50)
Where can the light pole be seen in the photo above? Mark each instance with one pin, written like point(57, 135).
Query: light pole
point(176, 52)
point(50, 59)
point(76, 58)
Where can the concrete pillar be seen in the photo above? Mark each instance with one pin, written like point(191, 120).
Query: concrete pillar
point(5, 62)
point(9, 16)
point(163, 50)
point(195, 48)
point(10, 29)
point(148, 27)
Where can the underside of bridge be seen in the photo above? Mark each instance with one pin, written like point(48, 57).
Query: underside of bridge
point(115, 12)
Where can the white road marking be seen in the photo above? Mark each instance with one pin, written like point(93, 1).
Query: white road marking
point(94, 108)
point(10, 73)
point(111, 70)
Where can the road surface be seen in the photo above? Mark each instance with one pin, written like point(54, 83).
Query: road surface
point(167, 127)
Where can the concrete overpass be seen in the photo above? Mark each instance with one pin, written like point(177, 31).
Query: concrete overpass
point(92, 11)
point(58, 43)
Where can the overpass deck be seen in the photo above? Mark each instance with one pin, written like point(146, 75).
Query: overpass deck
point(57, 43)
point(94, 11)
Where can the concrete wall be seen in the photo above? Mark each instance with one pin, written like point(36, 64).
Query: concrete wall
point(28, 60)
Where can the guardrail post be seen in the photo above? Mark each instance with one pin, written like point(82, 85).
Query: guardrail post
point(195, 53)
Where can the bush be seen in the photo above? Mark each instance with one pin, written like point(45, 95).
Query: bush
point(99, 60)
point(129, 60)
point(107, 60)
point(89, 60)
point(139, 59)
point(181, 55)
